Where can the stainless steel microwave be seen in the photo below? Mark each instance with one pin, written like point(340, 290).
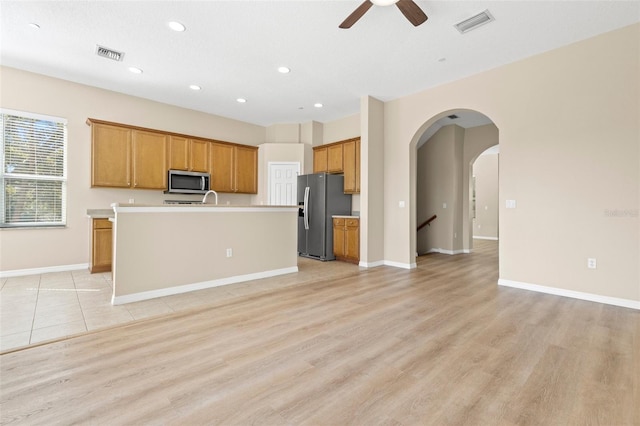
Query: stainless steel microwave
point(181, 182)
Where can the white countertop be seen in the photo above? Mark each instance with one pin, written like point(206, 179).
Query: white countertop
point(345, 216)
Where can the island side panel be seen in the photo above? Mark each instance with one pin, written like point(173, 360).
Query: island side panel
point(164, 250)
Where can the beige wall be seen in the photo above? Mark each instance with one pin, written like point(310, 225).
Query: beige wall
point(345, 128)
point(283, 133)
point(572, 112)
point(443, 177)
point(275, 152)
point(24, 91)
point(165, 250)
point(485, 173)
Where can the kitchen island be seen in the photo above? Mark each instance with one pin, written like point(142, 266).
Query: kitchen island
point(169, 249)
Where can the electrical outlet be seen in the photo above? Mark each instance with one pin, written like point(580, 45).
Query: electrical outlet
point(131, 200)
point(591, 263)
point(229, 252)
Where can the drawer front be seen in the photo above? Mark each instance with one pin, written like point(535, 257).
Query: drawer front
point(338, 221)
point(353, 222)
point(101, 224)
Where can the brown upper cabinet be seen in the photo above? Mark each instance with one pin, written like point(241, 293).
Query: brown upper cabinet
point(188, 154)
point(125, 156)
point(340, 157)
point(149, 160)
point(110, 156)
point(320, 159)
point(122, 157)
point(234, 168)
point(334, 158)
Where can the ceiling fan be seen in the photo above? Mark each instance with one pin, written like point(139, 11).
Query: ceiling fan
point(409, 9)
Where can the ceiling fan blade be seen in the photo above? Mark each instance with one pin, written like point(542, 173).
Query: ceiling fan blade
point(357, 14)
point(412, 12)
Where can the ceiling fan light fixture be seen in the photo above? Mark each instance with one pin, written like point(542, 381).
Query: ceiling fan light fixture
point(384, 2)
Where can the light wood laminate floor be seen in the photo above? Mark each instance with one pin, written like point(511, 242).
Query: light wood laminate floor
point(440, 344)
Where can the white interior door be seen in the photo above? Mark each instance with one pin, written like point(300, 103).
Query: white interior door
point(283, 180)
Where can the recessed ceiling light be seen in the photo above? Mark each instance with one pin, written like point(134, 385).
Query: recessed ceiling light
point(318, 105)
point(284, 70)
point(176, 26)
point(241, 100)
point(34, 25)
point(442, 59)
point(194, 87)
point(135, 70)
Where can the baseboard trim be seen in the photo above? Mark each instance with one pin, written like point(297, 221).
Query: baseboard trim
point(625, 303)
point(400, 265)
point(443, 251)
point(485, 238)
point(170, 291)
point(375, 264)
point(44, 270)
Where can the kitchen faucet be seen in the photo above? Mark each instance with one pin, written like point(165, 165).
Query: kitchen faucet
point(204, 199)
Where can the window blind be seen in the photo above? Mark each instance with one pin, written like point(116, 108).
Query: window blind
point(33, 175)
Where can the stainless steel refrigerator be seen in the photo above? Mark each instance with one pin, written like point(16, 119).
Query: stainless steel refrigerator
point(320, 196)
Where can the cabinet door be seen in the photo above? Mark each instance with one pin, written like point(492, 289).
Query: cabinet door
point(338, 238)
point(101, 250)
point(199, 156)
point(149, 160)
point(349, 153)
point(246, 170)
point(319, 160)
point(352, 239)
point(178, 153)
point(110, 156)
point(221, 167)
point(334, 158)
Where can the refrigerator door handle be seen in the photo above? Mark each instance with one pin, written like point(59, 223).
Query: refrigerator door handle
point(305, 209)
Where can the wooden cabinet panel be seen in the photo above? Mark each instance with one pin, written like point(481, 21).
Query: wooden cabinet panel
point(352, 240)
point(149, 160)
point(110, 156)
point(320, 157)
point(101, 245)
point(357, 165)
point(334, 158)
point(178, 153)
point(221, 167)
point(346, 239)
point(199, 155)
point(350, 163)
point(246, 170)
point(338, 237)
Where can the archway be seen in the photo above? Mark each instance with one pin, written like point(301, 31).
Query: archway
point(444, 150)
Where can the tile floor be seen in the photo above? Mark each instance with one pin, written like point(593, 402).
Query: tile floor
point(36, 308)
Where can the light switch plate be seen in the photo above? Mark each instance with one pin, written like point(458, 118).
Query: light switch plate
point(511, 204)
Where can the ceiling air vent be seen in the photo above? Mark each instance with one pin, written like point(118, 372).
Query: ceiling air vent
point(109, 53)
point(452, 116)
point(474, 22)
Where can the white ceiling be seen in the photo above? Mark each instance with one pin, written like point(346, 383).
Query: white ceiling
point(233, 48)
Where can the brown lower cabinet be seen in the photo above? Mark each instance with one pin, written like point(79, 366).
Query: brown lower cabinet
point(346, 239)
point(101, 245)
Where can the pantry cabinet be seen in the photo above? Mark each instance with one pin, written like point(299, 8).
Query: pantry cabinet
point(101, 245)
point(346, 239)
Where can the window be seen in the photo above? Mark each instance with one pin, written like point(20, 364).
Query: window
point(33, 178)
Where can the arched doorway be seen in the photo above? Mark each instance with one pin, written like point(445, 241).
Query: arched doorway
point(444, 151)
